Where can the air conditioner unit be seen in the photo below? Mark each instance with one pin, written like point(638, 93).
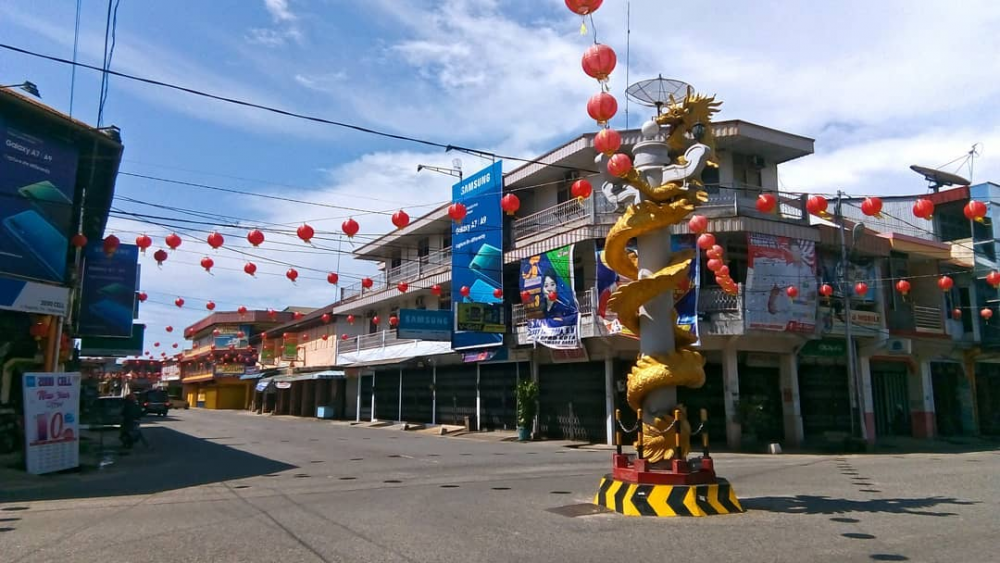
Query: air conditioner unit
point(757, 162)
point(901, 346)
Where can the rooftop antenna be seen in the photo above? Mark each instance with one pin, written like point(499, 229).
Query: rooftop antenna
point(937, 179)
point(657, 92)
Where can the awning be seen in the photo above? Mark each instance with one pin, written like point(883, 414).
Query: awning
point(199, 378)
point(394, 354)
point(263, 384)
point(329, 374)
point(247, 376)
point(920, 247)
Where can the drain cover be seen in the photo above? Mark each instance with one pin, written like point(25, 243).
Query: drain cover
point(242, 487)
point(14, 508)
point(574, 510)
point(316, 461)
point(560, 493)
point(501, 488)
point(449, 486)
point(392, 481)
point(300, 476)
point(347, 478)
point(357, 458)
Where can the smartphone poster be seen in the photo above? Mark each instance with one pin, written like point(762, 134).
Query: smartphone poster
point(477, 251)
point(51, 414)
point(107, 296)
point(37, 186)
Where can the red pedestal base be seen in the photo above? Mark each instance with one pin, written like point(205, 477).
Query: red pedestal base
point(629, 469)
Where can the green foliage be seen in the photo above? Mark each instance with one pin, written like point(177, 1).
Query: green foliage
point(527, 402)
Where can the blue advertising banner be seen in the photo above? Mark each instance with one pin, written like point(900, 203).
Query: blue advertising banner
point(551, 311)
point(685, 300)
point(107, 297)
point(477, 250)
point(421, 324)
point(37, 185)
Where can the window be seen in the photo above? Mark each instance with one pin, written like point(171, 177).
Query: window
point(423, 247)
point(446, 241)
point(710, 176)
point(396, 260)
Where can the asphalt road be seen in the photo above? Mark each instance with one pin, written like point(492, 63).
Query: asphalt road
point(226, 486)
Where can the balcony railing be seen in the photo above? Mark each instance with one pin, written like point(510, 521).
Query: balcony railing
point(379, 339)
point(741, 199)
point(595, 210)
point(409, 271)
point(722, 312)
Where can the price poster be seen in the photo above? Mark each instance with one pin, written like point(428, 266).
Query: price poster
point(51, 421)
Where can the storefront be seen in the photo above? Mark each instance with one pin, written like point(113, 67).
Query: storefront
point(760, 405)
point(571, 401)
point(891, 397)
point(824, 389)
point(988, 397)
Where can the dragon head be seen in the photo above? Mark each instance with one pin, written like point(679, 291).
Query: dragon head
point(683, 116)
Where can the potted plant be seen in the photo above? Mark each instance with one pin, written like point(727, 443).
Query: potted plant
point(527, 406)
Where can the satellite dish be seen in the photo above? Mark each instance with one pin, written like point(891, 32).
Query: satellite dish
point(939, 178)
point(657, 92)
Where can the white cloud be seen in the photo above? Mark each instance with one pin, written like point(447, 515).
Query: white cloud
point(279, 10)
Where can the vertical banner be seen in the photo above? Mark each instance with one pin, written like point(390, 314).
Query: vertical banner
point(477, 250)
point(51, 421)
point(773, 265)
point(107, 299)
point(685, 299)
point(551, 310)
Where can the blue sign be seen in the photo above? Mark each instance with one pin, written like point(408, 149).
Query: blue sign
point(420, 324)
point(37, 186)
point(477, 249)
point(107, 297)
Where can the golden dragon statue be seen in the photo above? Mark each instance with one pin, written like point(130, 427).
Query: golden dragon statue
point(691, 147)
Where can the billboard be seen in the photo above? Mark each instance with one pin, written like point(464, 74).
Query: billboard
point(117, 347)
point(685, 299)
point(550, 308)
point(37, 186)
point(51, 421)
point(773, 265)
point(33, 297)
point(831, 268)
point(477, 250)
point(421, 324)
point(107, 300)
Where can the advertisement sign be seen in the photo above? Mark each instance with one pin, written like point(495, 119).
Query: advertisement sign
point(421, 324)
point(773, 265)
point(477, 250)
point(230, 369)
point(170, 373)
point(831, 268)
point(33, 297)
point(290, 347)
point(550, 307)
point(37, 186)
point(863, 323)
point(116, 347)
point(481, 317)
point(267, 355)
point(230, 334)
point(51, 421)
point(107, 300)
point(685, 300)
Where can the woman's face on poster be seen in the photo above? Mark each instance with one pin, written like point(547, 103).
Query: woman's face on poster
point(548, 286)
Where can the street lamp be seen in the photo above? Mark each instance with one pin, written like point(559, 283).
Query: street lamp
point(852, 371)
point(27, 86)
point(455, 170)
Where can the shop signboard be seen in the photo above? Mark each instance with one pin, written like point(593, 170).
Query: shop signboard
point(547, 294)
point(775, 264)
point(477, 255)
point(230, 369)
point(421, 324)
point(51, 421)
point(33, 297)
point(37, 187)
point(481, 317)
point(290, 347)
point(114, 347)
point(107, 296)
point(863, 323)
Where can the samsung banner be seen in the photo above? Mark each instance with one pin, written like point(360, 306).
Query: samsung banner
point(550, 308)
point(37, 185)
point(107, 299)
point(477, 250)
point(685, 299)
point(51, 421)
point(773, 265)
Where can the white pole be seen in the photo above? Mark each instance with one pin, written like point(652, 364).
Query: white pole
point(434, 393)
point(373, 396)
point(400, 411)
point(609, 397)
point(478, 401)
point(357, 403)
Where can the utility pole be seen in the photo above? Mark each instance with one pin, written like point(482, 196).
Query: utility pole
point(852, 372)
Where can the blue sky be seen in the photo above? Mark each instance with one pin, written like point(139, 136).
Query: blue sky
point(878, 85)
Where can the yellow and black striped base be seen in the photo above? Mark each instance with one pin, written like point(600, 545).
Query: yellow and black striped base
point(667, 500)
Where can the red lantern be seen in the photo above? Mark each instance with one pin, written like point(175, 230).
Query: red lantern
point(207, 263)
point(332, 278)
point(143, 242)
point(464, 291)
point(816, 204)
point(326, 318)
point(367, 283)
point(871, 206)
point(402, 287)
point(344, 336)
point(393, 321)
point(110, 245)
point(723, 271)
point(601, 107)
point(175, 344)
point(142, 296)
point(173, 241)
point(305, 232)
point(179, 302)
point(79, 240)
point(903, 286)
point(766, 203)
point(272, 313)
point(553, 296)
point(375, 320)
point(436, 290)
point(457, 212)
point(241, 310)
point(607, 141)
point(986, 313)
point(215, 240)
point(826, 290)
point(305, 337)
point(956, 313)
point(583, 7)
point(297, 315)
point(286, 335)
point(160, 256)
point(350, 319)
point(525, 296)
point(39, 330)
point(993, 278)
point(714, 264)
point(599, 61)
point(156, 345)
point(861, 288)
point(240, 334)
point(975, 211)
point(250, 268)
point(698, 223)
point(510, 204)
point(619, 165)
point(255, 237)
point(719, 252)
point(292, 274)
point(168, 328)
point(400, 219)
point(498, 293)
point(706, 241)
point(923, 208)
point(210, 305)
point(350, 227)
point(945, 283)
point(581, 189)
point(325, 337)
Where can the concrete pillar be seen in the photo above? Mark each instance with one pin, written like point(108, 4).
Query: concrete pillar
point(921, 390)
point(967, 402)
point(373, 396)
point(609, 397)
point(791, 408)
point(731, 391)
point(434, 393)
point(865, 372)
point(399, 412)
point(357, 401)
point(478, 399)
point(534, 377)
